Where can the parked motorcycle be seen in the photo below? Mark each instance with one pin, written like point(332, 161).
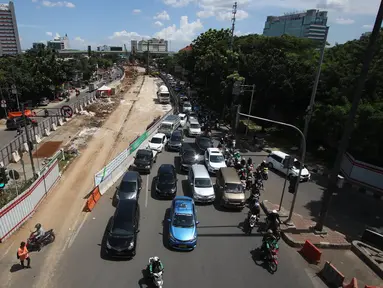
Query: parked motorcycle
point(34, 245)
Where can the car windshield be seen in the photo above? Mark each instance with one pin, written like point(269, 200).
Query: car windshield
point(122, 229)
point(176, 138)
point(166, 178)
point(126, 186)
point(187, 105)
point(216, 158)
point(156, 140)
point(202, 183)
point(183, 220)
point(233, 188)
point(143, 156)
point(195, 126)
point(165, 126)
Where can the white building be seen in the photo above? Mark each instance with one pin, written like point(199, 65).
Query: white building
point(9, 34)
point(59, 43)
point(153, 45)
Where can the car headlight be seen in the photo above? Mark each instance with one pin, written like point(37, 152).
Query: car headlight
point(194, 236)
point(108, 245)
point(171, 237)
point(131, 245)
point(147, 166)
point(158, 189)
point(173, 189)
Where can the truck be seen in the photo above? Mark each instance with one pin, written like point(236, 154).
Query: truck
point(163, 95)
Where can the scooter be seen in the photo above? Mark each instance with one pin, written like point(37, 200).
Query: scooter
point(158, 281)
point(252, 220)
point(35, 245)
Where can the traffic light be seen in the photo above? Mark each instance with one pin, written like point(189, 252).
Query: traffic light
point(3, 175)
point(293, 183)
point(89, 51)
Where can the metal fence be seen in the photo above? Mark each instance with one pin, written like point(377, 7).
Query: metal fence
point(17, 144)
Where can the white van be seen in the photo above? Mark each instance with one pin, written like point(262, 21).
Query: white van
point(193, 127)
point(163, 95)
point(201, 184)
point(169, 124)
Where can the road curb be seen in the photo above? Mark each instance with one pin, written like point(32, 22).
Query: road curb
point(365, 258)
point(324, 245)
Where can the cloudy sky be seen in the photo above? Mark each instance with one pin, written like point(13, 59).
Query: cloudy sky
point(115, 22)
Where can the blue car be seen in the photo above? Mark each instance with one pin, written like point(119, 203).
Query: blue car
point(183, 224)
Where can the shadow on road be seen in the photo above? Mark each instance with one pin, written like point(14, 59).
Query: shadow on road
point(186, 189)
point(256, 255)
point(165, 229)
point(144, 281)
point(153, 188)
point(15, 268)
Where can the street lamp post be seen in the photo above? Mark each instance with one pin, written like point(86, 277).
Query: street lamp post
point(303, 155)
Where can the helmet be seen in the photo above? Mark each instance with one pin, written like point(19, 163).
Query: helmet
point(269, 231)
point(38, 226)
point(274, 212)
point(249, 161)
point(256, 204)
point(155, 258)
point(243, 161)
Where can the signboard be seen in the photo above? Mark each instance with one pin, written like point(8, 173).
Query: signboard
point(138, 142)
point(3, 103)
point(66, 111)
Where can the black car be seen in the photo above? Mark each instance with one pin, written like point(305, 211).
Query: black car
point(189, 157)
point(144, 159)
point(14, 123)
point(129, 187)
point(121, 239)
point(175, 140)
point(203, 143)
point(166, 185)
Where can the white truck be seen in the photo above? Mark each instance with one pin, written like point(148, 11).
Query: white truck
point(163, 95)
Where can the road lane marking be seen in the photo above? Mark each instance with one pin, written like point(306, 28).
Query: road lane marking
point(7, 251)
point(71, 241)
point(147, 191)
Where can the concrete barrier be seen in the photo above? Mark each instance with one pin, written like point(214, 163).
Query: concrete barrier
point(81, 108)
point(1, 164)
point(53, 127)
point(61, 122)
point(25, 147)
point(37, 139)
point(353, 284)
point(331, 275)
point(76, 111)
point(15, 157)
point(47, 132)
point(67, 119)
point(310, 252)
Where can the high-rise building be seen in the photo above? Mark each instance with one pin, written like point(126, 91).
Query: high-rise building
point(9, 34)
point(38, 45)
point(154, 45)
point(311, 24)
point(59, 43)
point(107, 48)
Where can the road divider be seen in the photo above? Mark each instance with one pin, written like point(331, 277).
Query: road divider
point(331, 275)
point(353, 284)
point(153, 122)
point(311, 252)
point(92, 200)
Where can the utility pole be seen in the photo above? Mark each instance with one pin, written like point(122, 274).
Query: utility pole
point(344, 142)
point(310, 108)
point(251, 101)
point(147, 58)
point(233, 25)
point(28, 141)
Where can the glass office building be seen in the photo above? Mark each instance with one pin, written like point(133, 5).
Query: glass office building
point(9, 34)
point(311, 24)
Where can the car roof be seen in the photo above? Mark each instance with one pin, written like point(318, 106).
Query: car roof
point(182, 115)
point(145, 151)
point(125, 210)
point(166, 168)
point(159, 135)
point(171, 118)
point(183, 205)
point(130, 176)
point(214, 151)
point(193, 120)
point(204, 138)
point(279, 153)
point(200, 171)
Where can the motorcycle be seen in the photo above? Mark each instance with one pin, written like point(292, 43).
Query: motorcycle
point(249, 181)
point(157, 278)
point(270, 255)
point(265, 173)
point(276, 228)
point(252, 219)
point(34, 244)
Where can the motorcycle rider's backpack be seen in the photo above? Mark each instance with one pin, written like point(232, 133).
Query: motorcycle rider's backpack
point(17, 255)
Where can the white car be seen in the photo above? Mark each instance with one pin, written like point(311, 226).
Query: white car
point(194, 129)
point(182, 119)
point(158, 142)
point(278, 160)
point(186, 107)
point(214, 160)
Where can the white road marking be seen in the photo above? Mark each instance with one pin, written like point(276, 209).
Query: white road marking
point(77, 231)
point(147, 191)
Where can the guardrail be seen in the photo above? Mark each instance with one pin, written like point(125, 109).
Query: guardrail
point(20, 209)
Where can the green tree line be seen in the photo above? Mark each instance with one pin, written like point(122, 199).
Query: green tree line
point(283, 71)
point(41, 73)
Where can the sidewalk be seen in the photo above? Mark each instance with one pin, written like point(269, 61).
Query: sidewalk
point(334, 247)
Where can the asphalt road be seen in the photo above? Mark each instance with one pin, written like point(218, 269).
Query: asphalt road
point(222, 258)
point(7, 136)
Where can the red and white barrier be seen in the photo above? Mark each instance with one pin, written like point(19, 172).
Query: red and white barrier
point(15, 213)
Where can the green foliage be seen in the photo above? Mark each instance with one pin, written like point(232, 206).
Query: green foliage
point(283, 71)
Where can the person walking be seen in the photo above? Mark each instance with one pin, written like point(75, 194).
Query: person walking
point(23, 254)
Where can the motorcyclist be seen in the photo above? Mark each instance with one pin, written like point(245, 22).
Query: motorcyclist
point(255, 208)
point(155, 265)
point(39, 234)
point(262, 166)
point(250, 164)
point(273, 219)
point(268, 239)
point(46, 112)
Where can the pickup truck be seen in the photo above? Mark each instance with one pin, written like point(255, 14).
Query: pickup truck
point(144, 159)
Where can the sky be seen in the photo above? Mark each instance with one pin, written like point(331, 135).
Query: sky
point(117, 22)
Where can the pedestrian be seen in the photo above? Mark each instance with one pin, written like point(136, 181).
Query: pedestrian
point(23, 254)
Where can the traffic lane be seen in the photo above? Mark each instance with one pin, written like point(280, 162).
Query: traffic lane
point(222, 248)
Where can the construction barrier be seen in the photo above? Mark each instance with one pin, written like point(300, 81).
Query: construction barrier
point(92, 200)
point(310, 252)
point(153, 122)
point(353, 284)
point(331, 275)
